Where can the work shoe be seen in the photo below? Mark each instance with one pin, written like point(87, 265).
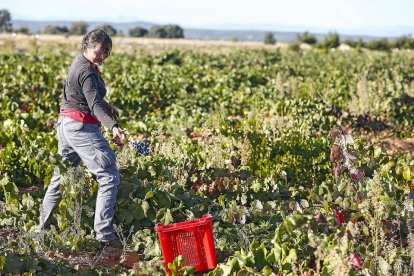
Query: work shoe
point(113, 244)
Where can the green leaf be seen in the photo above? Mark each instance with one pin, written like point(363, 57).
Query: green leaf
point(275, 255)
point(168, 218)
point(89, 272)
point(349, 139)
point(149, 194)
point(163, 200)
point(256, 186)
point(267, 271)
point(304, 203)
point(291, 258)
point(407, 173)
point(254, 245)
point(145, 207)
point(138, 212)
point(187, 270)
point(377, 152)
point(221, 200)
point(2, 261)
point(27, 201)
point(226, 270)
point(384, 266)
point(246, 272)
point(12, 264)
point(260, 256)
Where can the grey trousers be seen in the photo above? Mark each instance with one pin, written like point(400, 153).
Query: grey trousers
point(81, 141)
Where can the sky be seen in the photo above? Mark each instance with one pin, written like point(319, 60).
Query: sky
point(351, 16)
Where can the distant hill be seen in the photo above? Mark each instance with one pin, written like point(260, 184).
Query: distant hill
point(254, 35)
point(203, 34)
point(38, 26)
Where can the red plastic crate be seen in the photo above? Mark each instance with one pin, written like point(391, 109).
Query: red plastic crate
point(191, 239)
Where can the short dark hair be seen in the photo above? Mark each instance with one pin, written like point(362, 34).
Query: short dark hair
point(97, 36)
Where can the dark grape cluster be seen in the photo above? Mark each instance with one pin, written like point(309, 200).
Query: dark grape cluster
point(141, 148)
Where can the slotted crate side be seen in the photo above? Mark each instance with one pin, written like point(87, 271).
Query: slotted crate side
point(187, 243)
point(193, 240)
point(209, 250)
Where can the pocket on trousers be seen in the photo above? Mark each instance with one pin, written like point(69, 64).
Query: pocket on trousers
point(73, 125)
point(59, 121)
point(106, 158)
point(104, 154)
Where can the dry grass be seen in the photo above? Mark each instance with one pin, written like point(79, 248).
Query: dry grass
point(22, 42)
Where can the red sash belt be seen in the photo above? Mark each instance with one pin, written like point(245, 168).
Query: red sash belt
point(79, 116)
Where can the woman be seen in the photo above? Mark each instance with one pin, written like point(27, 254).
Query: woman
point(83, 109)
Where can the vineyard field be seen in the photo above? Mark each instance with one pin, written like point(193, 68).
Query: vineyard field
point(303, 158)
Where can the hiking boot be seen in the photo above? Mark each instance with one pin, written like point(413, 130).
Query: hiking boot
point(113, 244)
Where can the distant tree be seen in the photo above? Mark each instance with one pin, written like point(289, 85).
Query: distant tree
point(54, 30)
point(330, 41)
point(269, 38)
point(157, 32)
point(22, 30)
point(404, 42)
point(234, 39)
point(307, 38)
point(78, 28)
point(355, 43)
point(174, 31)
point(108, 29)
point(294, 46)
point(5, 21)
point(381, 44)
point(138, 32)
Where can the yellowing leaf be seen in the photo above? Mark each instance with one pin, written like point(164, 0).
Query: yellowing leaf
point(407, 173)
point(149, 194)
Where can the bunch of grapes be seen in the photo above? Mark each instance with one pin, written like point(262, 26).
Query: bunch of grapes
point(141, 147)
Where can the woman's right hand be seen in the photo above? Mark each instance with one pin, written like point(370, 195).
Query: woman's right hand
point(118, 135)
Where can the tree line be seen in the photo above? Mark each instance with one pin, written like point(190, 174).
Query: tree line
point(81, 28)
point(333, 40)
point(330, 41)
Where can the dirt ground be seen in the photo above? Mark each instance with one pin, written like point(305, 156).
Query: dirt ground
point(106, 257)
point(395, 145)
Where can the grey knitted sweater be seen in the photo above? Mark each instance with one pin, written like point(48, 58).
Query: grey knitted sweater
point(85, 91)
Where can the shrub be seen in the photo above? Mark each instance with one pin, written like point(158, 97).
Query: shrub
point(332, 40)
point(404, 42)
point(269, 38)
point(379, 44)
point(307, 38)
point(157, 32)
point(166, 31)
point(108, 29)
point(78, 28)
point(22, 30)
point(294, 46)
point(174, 31)
point(54, 29)
point(138, 32)
point(5, 21)
point(355, 43)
